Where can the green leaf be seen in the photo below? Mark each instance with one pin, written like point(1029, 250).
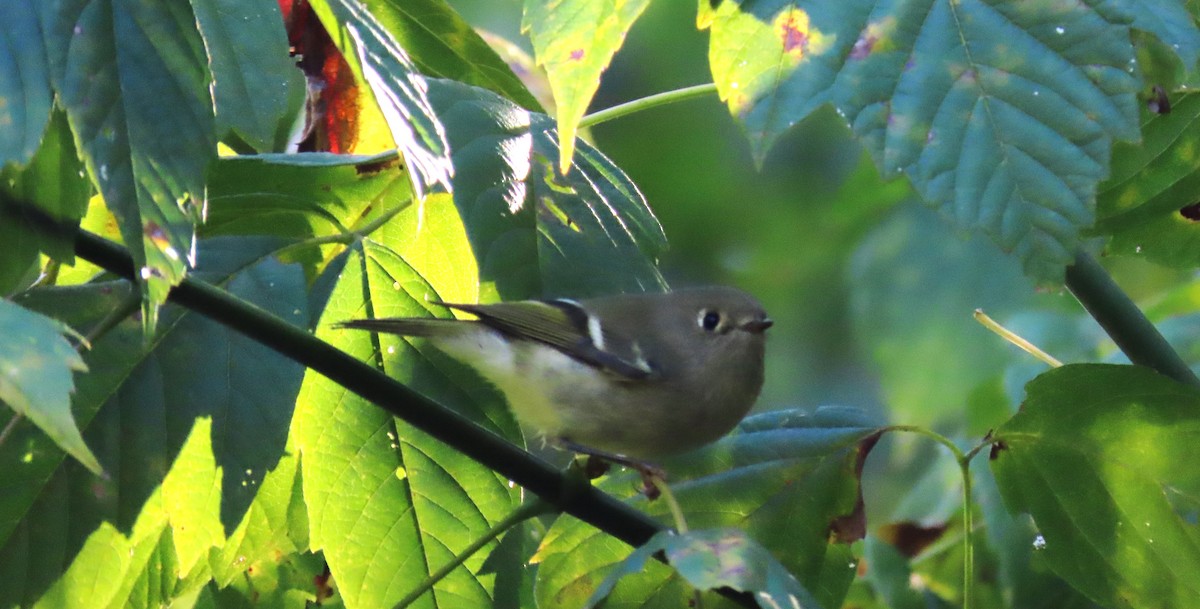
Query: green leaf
point(1101, 457)
point(1171, 23)
point(52, 182)
point(36, 366)
point(288, 581)
point(24, 84)
point(387, 504)
point(574, 40)
point(200, 412)
point(133, 78)
point(1001, 114)
point(380, 62)
point(315, 194)
point(788, 479)
point(116, 570)
point(443, 45)
point(303, 196)
point(533, 231)
point(1148, 205)
point(257, 89)
point(1021, 576)
point(266, 533)
point(716, 558)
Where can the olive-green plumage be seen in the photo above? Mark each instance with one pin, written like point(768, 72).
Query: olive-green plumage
point(640, 375)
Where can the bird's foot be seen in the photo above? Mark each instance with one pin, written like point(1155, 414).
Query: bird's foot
point(599, 461)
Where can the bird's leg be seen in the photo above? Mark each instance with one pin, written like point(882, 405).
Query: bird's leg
point(648, 471)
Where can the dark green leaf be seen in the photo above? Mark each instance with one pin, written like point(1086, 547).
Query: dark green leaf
point(1021, 576)
point(36, 366)
point(54, 183)
point(1149, 205)
point(256, 86)
point(716, 558)
point(575, 40)
point(1102, 458)
point(133, 78)
point(24, 84)
point(535, 232)
point(1001, 114)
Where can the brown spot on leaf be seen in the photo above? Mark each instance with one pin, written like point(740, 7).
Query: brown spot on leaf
point(1191, 212)
point(793, 38)
point(322, 584)
point(577, 54)
point(862, 47)
point(852, 527)
point(996, 448)
point(909, 537)
point(797, 35)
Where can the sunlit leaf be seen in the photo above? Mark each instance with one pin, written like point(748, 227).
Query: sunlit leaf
point(443, 45)
point(574, 40)
point(1101, 457)
point(1001, 114)
point(186, 426)
point(387, 504)
point(304, 196)
point(399, 90)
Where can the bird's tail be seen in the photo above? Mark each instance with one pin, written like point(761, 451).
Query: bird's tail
point(409, 326)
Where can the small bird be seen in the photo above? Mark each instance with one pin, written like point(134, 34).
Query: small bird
point(635, 376)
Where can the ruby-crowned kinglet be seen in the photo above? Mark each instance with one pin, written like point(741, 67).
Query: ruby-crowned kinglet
point(638, 375)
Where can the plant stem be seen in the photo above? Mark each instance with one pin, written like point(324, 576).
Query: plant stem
point(676, 512)
point(968, 536)
point(529, 509)
point(968, 514)
point(1123, 321)
point(645, 103)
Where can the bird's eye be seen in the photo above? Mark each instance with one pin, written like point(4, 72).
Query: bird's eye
point(709, 320)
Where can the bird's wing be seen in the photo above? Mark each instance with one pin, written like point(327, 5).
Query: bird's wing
point(563, 325)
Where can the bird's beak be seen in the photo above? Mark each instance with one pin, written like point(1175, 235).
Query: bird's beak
point(758, 326)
